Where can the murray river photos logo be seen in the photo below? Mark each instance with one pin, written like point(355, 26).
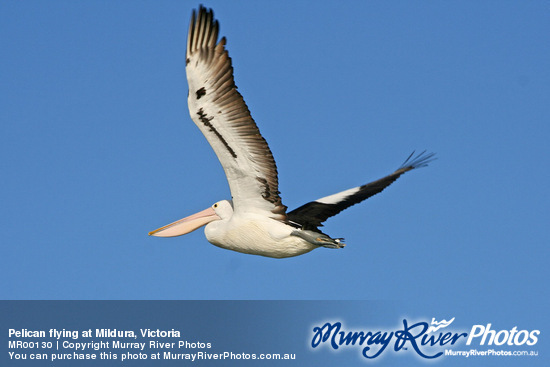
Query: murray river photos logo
point(427, 340)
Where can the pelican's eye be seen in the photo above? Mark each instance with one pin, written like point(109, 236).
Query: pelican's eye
point(216, 205)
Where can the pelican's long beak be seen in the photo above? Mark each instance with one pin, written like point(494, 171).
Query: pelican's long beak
point(187, 224)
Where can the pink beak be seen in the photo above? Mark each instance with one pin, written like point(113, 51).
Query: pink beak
point(187, 224)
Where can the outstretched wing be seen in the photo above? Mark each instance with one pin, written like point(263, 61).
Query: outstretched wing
point(221, 114)
point(313, 214)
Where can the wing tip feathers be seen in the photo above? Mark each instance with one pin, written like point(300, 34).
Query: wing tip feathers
point(422, 159)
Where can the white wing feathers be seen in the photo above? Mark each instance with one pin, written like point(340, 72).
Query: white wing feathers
point(221, 114)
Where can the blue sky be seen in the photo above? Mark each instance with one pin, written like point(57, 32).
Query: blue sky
point(98, 149)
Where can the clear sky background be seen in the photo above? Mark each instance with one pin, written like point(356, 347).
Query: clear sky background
point(97, 149)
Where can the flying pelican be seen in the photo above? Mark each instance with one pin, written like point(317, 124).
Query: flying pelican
point(255, 221)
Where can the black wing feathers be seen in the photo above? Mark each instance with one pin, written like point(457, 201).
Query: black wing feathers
point(313, 214)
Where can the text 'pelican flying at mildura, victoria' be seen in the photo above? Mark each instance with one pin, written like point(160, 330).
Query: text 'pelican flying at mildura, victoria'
point(255, 221)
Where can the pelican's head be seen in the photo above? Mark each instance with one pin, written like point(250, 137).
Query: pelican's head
point(219, 211)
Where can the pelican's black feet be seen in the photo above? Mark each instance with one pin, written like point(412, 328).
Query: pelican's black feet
point(319, 239)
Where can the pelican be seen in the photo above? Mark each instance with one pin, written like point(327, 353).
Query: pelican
point(255, 221)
